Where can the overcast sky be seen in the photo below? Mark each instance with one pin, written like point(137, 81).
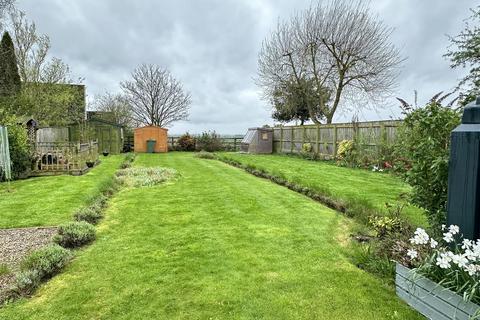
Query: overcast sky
point(212, 46)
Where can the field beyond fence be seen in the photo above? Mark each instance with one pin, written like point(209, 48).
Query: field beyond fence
point(324, 138)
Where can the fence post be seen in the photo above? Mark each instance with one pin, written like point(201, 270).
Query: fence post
point(317, 139)
point(234, 144)
point(281, 139)
point(334, 141)
point(292, 135)
point(303, 136)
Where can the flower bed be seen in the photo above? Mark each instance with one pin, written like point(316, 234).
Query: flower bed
point(431, 299)
point(445, 283)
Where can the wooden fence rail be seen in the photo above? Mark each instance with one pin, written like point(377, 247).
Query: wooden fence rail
point(324, 139)
point(229, 143)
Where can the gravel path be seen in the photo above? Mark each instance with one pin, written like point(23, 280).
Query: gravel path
point(15, 244)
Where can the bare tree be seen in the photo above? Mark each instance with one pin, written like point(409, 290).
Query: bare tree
point(5, 5)
point(155, 96)
point(340, 46)
point(117, 105)
point(32, 49)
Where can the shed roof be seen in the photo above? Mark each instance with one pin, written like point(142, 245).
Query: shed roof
point(150, 127)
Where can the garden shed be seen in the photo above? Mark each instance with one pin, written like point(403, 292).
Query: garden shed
point(108, 134)
point(258, 140)
point(150, 139)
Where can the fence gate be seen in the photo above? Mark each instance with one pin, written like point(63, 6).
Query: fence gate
point(5, 164)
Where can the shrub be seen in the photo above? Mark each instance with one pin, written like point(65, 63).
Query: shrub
point(4, 269)
point(422, 150)
point(39, 265)
point(90, 214)
point(144, 177)
point(210, 142)
point(186, 143)
point(75, 234)
point(205, 155)
point(20, 148)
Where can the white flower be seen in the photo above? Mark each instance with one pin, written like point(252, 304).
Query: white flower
point(433, 243)
point(459, 260)
point(448, 237)
point(375, 168)
point(443, 261)
point(421, 237)
point(470, 255)
point(453, 229)
point(466, 244)
point(412, 253)
point(471, 269)
point(443, 227)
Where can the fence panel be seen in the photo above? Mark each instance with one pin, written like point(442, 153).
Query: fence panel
point(324, 138)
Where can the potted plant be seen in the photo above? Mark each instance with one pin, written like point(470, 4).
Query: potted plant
point(444, 281)
point(90, 163)
point(105, 153)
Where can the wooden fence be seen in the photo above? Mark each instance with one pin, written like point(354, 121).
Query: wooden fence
point(230, 143)
point(324, 138)
point(53, 158)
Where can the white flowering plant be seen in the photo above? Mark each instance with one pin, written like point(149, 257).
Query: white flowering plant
point(452, 261)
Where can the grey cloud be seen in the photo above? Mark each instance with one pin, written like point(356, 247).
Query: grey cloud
point(212, 46)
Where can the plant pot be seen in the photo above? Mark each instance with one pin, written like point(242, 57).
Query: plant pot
point(431, 299)
point(105, 153)
point(90, 164)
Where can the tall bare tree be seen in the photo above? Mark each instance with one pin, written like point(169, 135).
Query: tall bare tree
point(32, 49)
point(117, 105)
point(155, 96)
point(338, 45)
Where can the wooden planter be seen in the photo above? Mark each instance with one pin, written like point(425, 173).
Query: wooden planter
point(431, 299)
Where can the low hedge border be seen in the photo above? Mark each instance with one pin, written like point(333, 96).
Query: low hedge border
point(42, 264)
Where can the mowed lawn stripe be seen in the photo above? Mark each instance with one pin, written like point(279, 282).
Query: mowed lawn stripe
point(217, 243)
point(50, 201)
point(359, 187)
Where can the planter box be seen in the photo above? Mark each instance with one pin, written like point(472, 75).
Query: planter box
point(431, 299)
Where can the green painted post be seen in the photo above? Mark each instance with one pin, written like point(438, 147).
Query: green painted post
point(463, 205)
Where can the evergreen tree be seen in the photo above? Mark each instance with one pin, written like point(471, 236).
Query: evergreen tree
point(10, 82)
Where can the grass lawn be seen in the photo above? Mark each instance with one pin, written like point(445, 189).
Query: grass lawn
point(358, 187)
point(49, 201)
point(217, 243)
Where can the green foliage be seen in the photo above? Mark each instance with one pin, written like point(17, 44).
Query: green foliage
point(20, 148)
point(467, 54)
point(423, 150)
point(145, 177)
point(186, 143)
point(210, 142)
point(51, 104)
point(75, 234)
point(205, 155)
point(90, 214)
point(10, 83)
point(40, 265)
point(292, 100)
point(4, 269)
